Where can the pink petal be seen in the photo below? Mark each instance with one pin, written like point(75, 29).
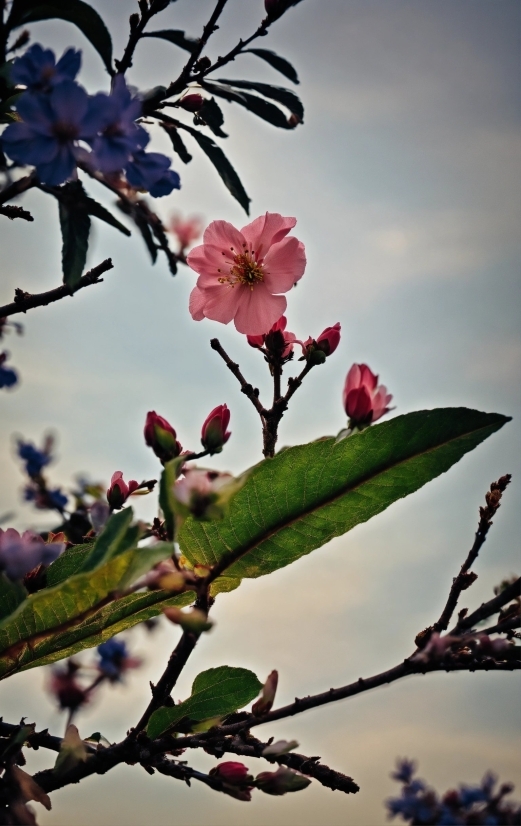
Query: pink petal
point(284, 265)
point(352, 382)
point(196, 304)
point(222, 301)
point(368, 378)
point(267, 230)
point(223, 235)
point(116, 476)
point(358, 404)
point(258, 311)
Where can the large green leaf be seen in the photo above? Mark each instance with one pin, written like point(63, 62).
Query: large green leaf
point(215, 693)
point(38, 622)
point(306, 495)
point(12, 594)
point(74, 11)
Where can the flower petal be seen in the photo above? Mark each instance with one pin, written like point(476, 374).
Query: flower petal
point(267, 230)
point(258, 311)
point(223, 235)
point(284, 265)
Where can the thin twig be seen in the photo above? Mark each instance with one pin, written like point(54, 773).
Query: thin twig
point(487, 609)
point(40, 739)
point(17, 187)
point(25, 301)
point(249, 391)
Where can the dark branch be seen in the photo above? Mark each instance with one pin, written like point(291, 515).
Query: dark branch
point(25, 301)
point(40, 739)
point(13, 212)
point(465, 579)
point(487, 609)
point(251, 747)
point(17, 187)
point(249, 391)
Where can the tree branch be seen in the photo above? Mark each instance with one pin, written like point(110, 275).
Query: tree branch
point(17, 187)
point(465, 579)
point(13, 212)
point(251, 747)
point(40, 739)
point(249, 391)
point(25, 301)
point(486, 609)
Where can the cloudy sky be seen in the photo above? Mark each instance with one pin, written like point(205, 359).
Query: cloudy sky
point(405, 182)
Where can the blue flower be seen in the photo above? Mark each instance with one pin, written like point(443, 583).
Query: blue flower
point(57, 499)
point(404, 770)
point(150, 171)
point(34, 459)
point(51, 125)
point(472, 794)
point(37, 68)
point(114, 659)
point(8, 376)
point(120, 135)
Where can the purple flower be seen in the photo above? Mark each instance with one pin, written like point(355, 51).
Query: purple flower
point(8, 376)
point(120, 136)
point(20, 554)
point(404, 770)
point(34, 459)
point(37, 68)
point(51, 125)
point(150, 171)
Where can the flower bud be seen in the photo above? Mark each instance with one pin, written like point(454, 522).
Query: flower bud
point(277, 340)
point(282, 781)
point(192, 102)
point(213, 433)
point(364, 400)
point(161, 437)
point(231, 772)
point(119, 491)
point(266, 700)
point(317, 350)
point(194, 620)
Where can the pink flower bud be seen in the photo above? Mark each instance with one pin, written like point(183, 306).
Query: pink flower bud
point(282, 781)
point(329, 339)
point(161, 437)
point(267, 698)
point(364, 400)
point(231, 772)
point(213, 433)
point(119, 491)
point(192, 102)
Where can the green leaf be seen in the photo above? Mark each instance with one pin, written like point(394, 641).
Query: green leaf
point(210, 114)
point(75, 229)
point(38, 624)
point(215, 693)
point(259, 106)
point(98, 211)
point(177, 142)
point(67, 564)
point(296, 502)
point(74, 11)
point(12, 594)
point(167, 501)
point(117, 536)
point(278, 93)
point(276, 61)
point(175, 36)
point(223, 166)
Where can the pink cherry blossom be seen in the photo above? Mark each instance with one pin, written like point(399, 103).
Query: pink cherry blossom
point(364, 400)
point(187, 230)
point(119, 491)
point(242, 273)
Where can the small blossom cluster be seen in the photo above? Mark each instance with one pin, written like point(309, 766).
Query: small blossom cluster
point(484, 804)
point(472, 648)
point(37, 490)
point(239, 783)
point(162, 438)
point(61, 125)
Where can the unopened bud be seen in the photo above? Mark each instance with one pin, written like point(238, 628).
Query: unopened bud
point(119, 491)
point(192, 103)
point(194, 620)
point(231, 772)
point(282, 781)
point(161, 437)
point(214, 433)
point(134, 21)
point(266, 700)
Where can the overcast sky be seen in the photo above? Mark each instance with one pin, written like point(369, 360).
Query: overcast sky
point(405, 183)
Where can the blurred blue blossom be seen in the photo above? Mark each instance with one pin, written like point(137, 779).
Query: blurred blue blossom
point(8, 376)
point(37, 68)
point(150, 171)
point(35, 459)
point(120, 136)
point(114, 659)
point(19, 554)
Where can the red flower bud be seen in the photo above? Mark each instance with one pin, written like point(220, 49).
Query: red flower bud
point(329, 339)
point(276, 340)
point(192, 103)
point(161, 437)
point(213, 433)
point(364, 400)
point(119, 491)
point(231, 772)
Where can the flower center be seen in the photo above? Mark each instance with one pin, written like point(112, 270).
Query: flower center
point(245, 270)
point(65, 132)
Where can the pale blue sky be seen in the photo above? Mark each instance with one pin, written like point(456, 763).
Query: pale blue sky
point(405, 183)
